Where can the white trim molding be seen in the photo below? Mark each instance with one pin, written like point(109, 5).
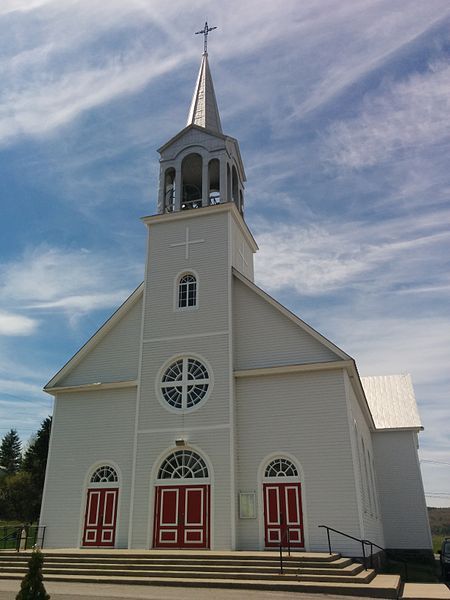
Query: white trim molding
point(89, 387)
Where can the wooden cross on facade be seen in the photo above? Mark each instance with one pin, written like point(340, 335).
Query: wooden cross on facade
point(186, 243)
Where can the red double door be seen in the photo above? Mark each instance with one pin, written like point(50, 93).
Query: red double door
point(100, 517)
point(283, 519)
point(182, 516)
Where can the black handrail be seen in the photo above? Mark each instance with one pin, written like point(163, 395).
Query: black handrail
point(387, 552)
point(15, 534)
point(362, 542)
point(288, 536)
point(24, 534)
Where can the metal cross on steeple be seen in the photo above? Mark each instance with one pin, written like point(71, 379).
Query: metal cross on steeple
point(205, 32)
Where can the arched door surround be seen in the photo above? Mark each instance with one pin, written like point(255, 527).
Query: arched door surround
point(101, 507)
point(282, 501)
point(182, 502)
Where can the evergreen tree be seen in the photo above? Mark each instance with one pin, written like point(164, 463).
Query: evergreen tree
point(35, 459)
point(11, 452)
point(32, 586)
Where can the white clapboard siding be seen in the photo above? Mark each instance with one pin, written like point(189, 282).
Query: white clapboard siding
point(265, 337)
point(365, 472)
point(115, 357)
point(89, 427)
point(401, 490)
point(304, 415)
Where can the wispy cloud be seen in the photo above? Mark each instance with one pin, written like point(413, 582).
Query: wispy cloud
point(405, 117)
point(13, 324)
point(73, 281)
point(322, 258)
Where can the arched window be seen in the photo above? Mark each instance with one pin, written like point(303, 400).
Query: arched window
point(169, 190)
point(187, 291)
point(281, 467)
point(191, 173)
point(183, 464)
point(104, 474)
point(214, 181)
point(185, 383)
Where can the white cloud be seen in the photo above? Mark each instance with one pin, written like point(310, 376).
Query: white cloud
point(404, 116)
point(13, 324)
point(319, 259)
point(76, 282)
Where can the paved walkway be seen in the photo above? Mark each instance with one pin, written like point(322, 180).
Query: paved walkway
point(79, 591)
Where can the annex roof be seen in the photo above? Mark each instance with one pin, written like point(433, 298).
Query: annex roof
point(392, 402)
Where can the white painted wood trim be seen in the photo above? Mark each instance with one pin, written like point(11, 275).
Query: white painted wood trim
point(179, 430)
point(89, 387)
point(233, 497)
point(355, 461)
point(49, 458)
point(95, 339)
point(138, 399)
point(189, 214)
point(283, 369)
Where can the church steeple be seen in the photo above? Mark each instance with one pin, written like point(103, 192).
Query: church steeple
point(200, 166)
point(204, 111)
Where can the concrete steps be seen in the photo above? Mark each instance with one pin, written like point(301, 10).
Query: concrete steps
point(306, 572)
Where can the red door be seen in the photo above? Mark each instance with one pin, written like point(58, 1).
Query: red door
point(181, 517)
point(100, 517)
point(283, 515)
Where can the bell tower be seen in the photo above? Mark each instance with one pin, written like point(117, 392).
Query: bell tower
point(200, 166)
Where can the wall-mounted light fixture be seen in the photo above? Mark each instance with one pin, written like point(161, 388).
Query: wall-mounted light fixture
point(180, 442)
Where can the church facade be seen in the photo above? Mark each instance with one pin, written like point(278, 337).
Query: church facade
point(205, 415)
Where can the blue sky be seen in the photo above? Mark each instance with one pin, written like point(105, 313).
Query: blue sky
point(342, 111)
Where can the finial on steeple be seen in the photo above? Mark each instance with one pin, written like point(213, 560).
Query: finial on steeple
point(205, 32)
point(204, 111)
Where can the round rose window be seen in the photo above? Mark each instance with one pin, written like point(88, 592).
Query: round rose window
point(185, 383)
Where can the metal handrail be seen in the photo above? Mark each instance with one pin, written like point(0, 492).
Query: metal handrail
point(387, 552)
point(363, 544)
point(24, 533)
point(286, 534)
point(15, 534)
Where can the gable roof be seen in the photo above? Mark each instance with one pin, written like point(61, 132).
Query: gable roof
point(392, 402)
point(290, 315)
point(95, 339)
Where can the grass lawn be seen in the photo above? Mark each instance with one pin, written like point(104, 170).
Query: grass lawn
point(437, 542)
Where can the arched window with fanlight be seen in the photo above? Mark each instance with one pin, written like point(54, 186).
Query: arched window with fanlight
point(187, 291)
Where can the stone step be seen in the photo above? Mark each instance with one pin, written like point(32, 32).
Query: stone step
point(381, 586)
point(122, 561)
point(332, 568)
point(347, 570)
point(211, 557)
point(292, 575)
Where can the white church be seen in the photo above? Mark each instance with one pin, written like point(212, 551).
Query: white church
point(205, 415)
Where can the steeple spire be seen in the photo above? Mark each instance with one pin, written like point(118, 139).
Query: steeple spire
point(204, 111)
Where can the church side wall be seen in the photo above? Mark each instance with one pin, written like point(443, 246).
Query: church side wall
point(90, 428)
point(264, 337)
point(402, 496)
point(115, 357)
point(303, 415)
point(365, 471)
